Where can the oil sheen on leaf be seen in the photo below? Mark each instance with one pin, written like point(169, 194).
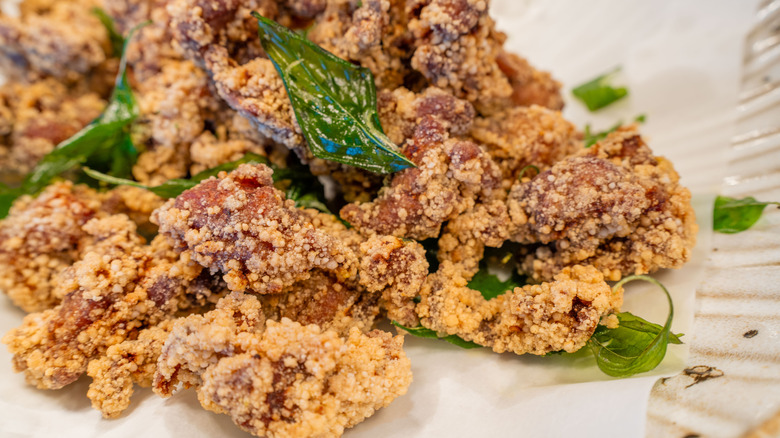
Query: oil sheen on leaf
point(334, 101)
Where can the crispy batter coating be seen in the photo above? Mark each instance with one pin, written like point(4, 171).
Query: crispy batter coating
point(40, 238)
point(64, 39)
point(321, 300)
point(398, 269)
point(284, 379)
point(529, 86)
point(241, 225)
point(174, 105)
point(450, 174)
point(118, 288)
point(123, 365)
point(373, 33)
point(614, 206)
point(35, 117)
point(526, 136)
point(456, 46)
point(536, 319)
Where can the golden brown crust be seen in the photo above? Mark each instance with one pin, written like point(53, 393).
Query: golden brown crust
point(119, 287)
point(123, 365)
point(241, 225)
point(35, 117)
point(536, 319)
point(40, 238)
point(281, 379)
point(614, 206)
point(62, 39)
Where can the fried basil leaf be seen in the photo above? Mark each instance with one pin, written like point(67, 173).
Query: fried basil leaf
point(731, 215)
point(117, 42)
point(334, 101)
point(598, 93)
point(174, 187)
point(103, 144)
point(635, 346)
point(422, 332)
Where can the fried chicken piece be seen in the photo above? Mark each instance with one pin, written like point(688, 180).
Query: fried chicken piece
point(321, 300)
point(64, 40)
point(456, 46)
point(284, 379)
point(241, 225)
point(529, 86)
point(450, 175)
point(614, 206)
point(137, 203)
point(209, 151)
point(130, 362)
point(222, 38)
point(536, 319)
point(118, 288)
point(40, 238)
point(465, 237)
point(35, 117)
point(173, 105)
point(373, 33)
point(527, 136)
point(397, 269)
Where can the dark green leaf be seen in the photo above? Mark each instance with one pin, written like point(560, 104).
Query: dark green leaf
point(490, 286)
point(598, 93)
point(174, 187)
point(732, 215)
point(635, 346)
point(431, 247)
point(104, 144)
point(592, 138)
point(422, 332)
point(334, 101)
point(117, 42)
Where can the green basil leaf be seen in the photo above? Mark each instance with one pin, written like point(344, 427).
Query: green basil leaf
point(117, 42)
point(592, 138)
point(104, 143)
point(334, 101)
point(731, 215)
point(422, 332)
point(490, 286)
point(598, 93)
point(635, 346)
point(174, 187)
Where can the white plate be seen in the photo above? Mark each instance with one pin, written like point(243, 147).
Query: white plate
point(681, 62)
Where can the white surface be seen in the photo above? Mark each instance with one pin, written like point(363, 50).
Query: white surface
point(681, 62)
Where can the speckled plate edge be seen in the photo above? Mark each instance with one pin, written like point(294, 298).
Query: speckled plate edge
point(731, 386)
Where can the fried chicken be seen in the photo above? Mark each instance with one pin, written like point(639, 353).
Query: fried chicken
point(42, 41)
point(35, 117)
point(281, 378)
point(526, 136)
point(242, 226)
point(119, 287)
point(40, 238)
point(398, 269)
point(451, 173)
point(124, 364)
point(537, 319)
point(614, 206)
